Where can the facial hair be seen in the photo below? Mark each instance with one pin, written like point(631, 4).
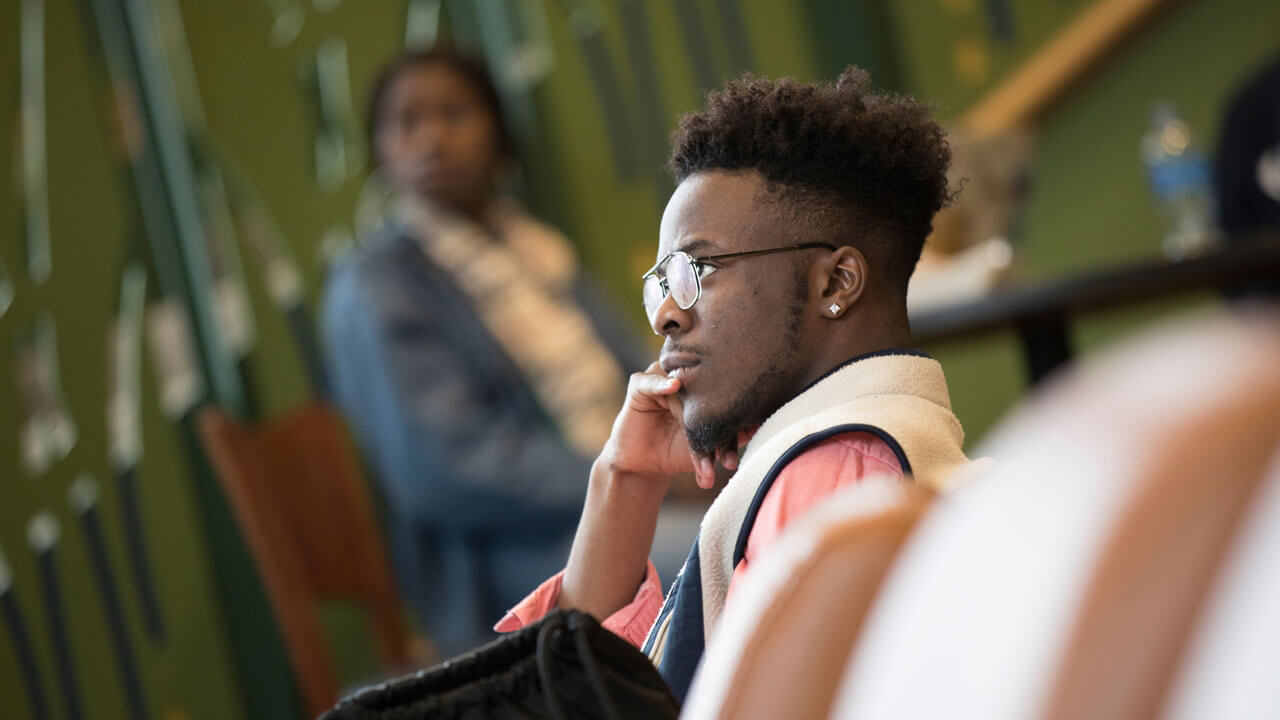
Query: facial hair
point(759, 398)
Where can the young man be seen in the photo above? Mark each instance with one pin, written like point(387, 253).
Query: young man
point(780, 290)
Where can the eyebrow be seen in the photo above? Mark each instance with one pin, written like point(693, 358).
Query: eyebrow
point(695, 245)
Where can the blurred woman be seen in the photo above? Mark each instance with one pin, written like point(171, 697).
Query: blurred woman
point(465, 354)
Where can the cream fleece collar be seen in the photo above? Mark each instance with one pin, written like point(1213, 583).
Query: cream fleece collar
point(904, 396)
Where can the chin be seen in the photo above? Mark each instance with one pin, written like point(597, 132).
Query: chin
point(708, 430)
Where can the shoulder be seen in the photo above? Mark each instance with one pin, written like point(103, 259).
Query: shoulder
point(827, 466)
point(384, 276)
point(847, 456)
point(386, 251)
point(816, 474)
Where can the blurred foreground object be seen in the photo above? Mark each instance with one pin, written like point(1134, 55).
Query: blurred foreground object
point(1067, 581)
point(1247, 173)
point(784, 639)
point(563, 666)
point(299, 498)
point(969, 253)
point(1179, 179)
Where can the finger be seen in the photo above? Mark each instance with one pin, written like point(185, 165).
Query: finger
point(729, 458)
point(704, 471)
point(675, 405)
point(651, 384)
point(648, 393)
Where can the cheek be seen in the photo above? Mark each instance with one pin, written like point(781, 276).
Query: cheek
point(480, 145)
point(399, 169)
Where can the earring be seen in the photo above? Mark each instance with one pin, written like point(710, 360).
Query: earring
point(834, 308)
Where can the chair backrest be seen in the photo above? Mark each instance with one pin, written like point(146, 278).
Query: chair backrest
point(298, 495)
point(1163, 552)
point(1062, 583)
point(781, 646)
point(1228, 668)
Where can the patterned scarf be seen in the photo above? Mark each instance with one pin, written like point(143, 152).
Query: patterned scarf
point(520, 279)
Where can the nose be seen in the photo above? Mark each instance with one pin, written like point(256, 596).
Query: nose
point(668, 320)
point(428, 135)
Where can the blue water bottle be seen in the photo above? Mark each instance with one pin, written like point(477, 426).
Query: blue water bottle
point(1181, 183)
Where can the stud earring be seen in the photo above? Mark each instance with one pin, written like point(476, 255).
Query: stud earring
point(834, 308)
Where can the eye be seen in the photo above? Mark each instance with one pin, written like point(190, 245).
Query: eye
point(704, 269)
point(458, 113)
point(409, 118)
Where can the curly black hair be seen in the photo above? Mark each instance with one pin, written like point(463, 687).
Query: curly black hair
point(857, 166)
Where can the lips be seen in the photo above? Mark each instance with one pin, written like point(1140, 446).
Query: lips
point(437, 175)
point(679, 365)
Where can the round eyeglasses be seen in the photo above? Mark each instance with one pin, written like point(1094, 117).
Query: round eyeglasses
point(680, 274)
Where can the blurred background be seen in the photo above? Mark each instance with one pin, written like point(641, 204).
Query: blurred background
point(182, 173)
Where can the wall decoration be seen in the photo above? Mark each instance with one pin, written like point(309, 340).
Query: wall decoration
point(1000, 21)
point(124, 362)
point(734, 26)
point(286, 21)
point(48, 430)
point(124, 436)
point(35, 168)
point(421, 24)
point(586, 25)
point(231, 306)
point(515, 40)
point(338, 151)
point(43, 536)
point(697, 43)
point(83, 500)
point(6, 288)
point(651, 109)
point(282, 278)
point(173, 354)
point(20, 637)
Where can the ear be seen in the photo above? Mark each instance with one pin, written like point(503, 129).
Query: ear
point(844, 279)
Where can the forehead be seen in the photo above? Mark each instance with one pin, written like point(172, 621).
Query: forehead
point(431, 82)
point(719, 212)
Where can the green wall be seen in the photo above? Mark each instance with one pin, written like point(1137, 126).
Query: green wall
point(190, 674)
point(1087, 209)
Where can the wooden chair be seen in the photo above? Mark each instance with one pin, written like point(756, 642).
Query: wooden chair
point(1065, 582)
point(780, 649)
point(299, 497)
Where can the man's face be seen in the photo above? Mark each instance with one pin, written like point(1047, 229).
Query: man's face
point(737, 349)
point(437, 137)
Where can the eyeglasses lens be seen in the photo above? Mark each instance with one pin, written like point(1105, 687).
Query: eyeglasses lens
point(653, 294)
point(682, 284)
point(682, 281)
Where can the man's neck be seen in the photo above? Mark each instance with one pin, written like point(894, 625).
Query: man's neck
point(853, 341)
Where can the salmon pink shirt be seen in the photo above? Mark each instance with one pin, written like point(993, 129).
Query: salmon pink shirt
point(811, 477)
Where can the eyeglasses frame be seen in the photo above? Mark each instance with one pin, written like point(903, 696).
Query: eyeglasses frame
point(697, 277)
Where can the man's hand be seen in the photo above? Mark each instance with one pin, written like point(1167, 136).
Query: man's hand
point(646, 450)
point(648, 437)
